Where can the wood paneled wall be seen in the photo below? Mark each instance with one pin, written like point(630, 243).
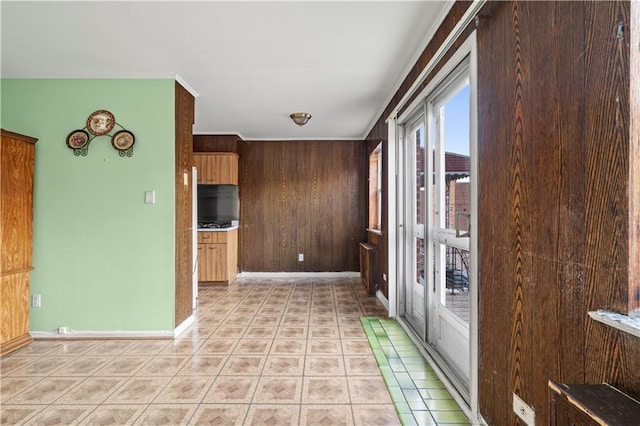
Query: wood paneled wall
point(217, 143)
point(553, 82)
point(184, 110)
point(302, 197)
point(554, 119)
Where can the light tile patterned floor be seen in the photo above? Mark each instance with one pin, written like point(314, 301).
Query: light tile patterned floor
point(419, 396)
point(263, 351)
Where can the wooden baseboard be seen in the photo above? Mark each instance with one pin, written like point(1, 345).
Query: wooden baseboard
point(15, 344)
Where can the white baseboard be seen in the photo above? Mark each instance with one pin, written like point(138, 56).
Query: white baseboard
point(382, 299)
point(76, 335)
point(185, 324)
point(84, 334)
point(344, 274)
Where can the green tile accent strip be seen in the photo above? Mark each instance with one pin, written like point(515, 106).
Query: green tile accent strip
point(419, 396)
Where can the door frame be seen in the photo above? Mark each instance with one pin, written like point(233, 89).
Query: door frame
point(395, 212)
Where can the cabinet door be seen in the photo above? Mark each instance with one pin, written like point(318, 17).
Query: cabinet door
point(212, 262)
point(14, 309)
point(205, 263)
point(16, 212)
point(217, 168)
point(219, 261)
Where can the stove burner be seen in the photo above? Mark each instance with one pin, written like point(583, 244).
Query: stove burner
point(214, 225)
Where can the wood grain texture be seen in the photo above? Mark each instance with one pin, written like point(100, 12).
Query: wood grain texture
point(634, 162)
point(217, 143)
point(184, 110)
point(554, 214)
point(17, 155)
point(218, 256)
point(302, 197)
point(553, 109)
point(232, 256)
point(217, 167)
point(610, 355)
point(14, 307)
point(494, 261)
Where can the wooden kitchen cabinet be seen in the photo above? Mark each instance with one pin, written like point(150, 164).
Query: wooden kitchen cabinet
point(17, 154)
point(216, 167)
point(218, 256)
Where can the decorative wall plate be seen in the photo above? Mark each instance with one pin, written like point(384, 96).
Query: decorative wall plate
point(77, 139)
point(123, 140)
point(101, 122)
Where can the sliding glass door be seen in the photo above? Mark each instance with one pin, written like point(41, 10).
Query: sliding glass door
point(438, 193)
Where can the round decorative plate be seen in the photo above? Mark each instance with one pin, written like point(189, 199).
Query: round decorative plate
point(123, 140)
point(101, 122)
point(77, 139)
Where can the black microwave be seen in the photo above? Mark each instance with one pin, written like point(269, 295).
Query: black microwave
point(217, 203)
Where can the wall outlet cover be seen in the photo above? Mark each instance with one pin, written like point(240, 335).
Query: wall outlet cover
point(524, 411)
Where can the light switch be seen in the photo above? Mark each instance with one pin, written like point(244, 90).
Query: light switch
point(150, 197)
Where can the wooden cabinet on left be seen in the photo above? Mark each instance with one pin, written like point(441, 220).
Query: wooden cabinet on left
point(17, 154)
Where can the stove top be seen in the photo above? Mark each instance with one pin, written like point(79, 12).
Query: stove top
point(214, 225)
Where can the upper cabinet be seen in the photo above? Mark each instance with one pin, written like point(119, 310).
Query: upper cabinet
point(217, 167)
point(17, 153)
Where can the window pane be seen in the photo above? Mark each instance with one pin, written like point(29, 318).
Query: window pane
point(456, 291)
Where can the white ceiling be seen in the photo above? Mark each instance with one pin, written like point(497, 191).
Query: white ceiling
point(250, 63)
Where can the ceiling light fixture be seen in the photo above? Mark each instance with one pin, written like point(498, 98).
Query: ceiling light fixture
point(300, 118)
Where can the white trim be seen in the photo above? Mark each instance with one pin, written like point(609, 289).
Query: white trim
point(466, 19)
point(185, 324)
point(621, 322)
point(205, 133)
point(432, 31)
point(474, 381)
point(392, 217)
point(289, 139)
point(382, 299)
point(459, 55)
point(345, 274)
point(186, 85)
point(71, 335)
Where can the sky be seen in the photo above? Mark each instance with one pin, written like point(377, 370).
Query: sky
point(456, 123)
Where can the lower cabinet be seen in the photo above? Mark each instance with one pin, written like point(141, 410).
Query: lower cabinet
point(218, 256)
point(368, 268)
point(14, 311)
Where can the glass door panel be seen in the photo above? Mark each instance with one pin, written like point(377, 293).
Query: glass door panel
point(449, 302)
point(415, 161)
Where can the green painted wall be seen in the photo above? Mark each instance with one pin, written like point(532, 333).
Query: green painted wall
point(104, 260)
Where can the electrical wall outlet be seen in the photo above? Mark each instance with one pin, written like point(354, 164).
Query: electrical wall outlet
point(524, 411)
point(36, 301)
point(63, 330)
point(300, 257)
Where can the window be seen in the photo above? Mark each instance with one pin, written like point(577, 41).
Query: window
point(375, 188)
